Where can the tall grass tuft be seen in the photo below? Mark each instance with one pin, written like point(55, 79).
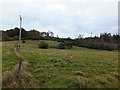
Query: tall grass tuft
point(79, 82)
point(25, 78)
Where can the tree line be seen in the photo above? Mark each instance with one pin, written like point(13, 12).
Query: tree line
point(13, 34)
point(105, 41)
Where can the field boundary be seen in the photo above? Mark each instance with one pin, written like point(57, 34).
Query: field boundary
point(17, 52)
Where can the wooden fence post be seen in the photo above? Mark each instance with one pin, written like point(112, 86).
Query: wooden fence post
point(17, 48)
point(18, 70)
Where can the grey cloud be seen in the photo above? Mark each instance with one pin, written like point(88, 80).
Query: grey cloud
point(65, 18)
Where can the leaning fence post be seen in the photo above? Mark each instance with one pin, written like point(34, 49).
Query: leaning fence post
point(18, 70)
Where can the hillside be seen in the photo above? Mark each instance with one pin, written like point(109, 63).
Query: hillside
point(64, 68)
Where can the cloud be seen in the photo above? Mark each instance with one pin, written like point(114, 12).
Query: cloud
point(66, 18)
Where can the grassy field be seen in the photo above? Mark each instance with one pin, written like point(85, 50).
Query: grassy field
point(68, 68)
point(0, 65)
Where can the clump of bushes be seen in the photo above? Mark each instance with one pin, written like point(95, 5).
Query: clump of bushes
point(61, 45)
point(99, 46)
point(65, 44)
point(43, 45)
point(68, 44)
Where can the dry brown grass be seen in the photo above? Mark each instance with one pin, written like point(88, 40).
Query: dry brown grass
point(25, 78)
point(79, 82)
point(115, 74)
point(100, 80)
point(80, 73)
point(110, 78)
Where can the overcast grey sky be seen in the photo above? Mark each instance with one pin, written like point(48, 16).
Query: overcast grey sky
point(66, 18)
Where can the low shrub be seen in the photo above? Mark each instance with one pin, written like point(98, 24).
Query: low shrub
point(68, 44)
point(99, 46)
point(43, 45)
point(61, 45)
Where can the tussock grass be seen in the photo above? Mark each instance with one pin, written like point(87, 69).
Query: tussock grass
point(79, 82)
point(79, 73)
point(115, 74)
point(110, 78)
point(25, 78)
point(100, 80)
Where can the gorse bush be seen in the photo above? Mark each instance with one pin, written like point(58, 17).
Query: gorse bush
point(43, 45)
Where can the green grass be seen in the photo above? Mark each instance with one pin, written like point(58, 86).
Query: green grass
point(56, 68)
point(0, 65)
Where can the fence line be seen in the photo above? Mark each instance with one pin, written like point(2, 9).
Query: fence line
point(17, 52)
